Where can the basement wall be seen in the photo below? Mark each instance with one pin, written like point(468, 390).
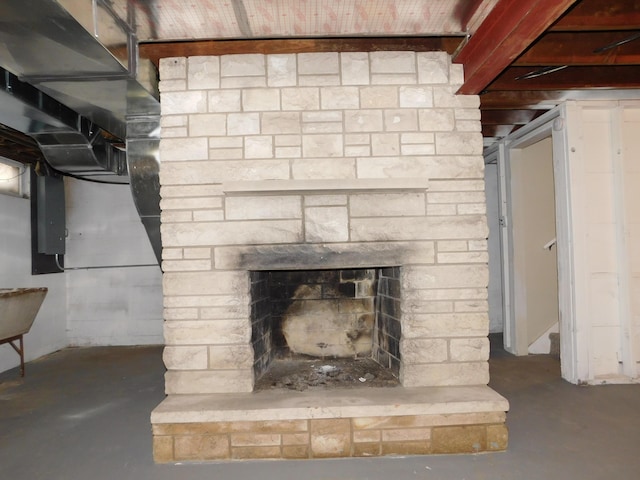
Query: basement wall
point(104, 306)
point(48, 331)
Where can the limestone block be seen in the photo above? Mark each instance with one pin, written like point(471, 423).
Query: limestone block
point(186, 265)
point(433, 68)
point(472, 209)
point(469, 349)
point(243, 123)
point(288, 140)
point(318, 80)
point(300, 98)
point(260, 99)
point(355, 68)
point(172, 85)
point(424, 149)
point(439, 210)
point(324, 200)
point(470, 294)
point(326, 224)
point(402, 120)
point(172, 132)
point(385, 144)
point(436, 120)
point(243, 82)
point(393, 62)
point(421, 167)
point(456, 74)
point(226, 153)
point(163, 449)
point(207, 215)
point(172, 68)
point(471, 306)
point(224, 100)
point(335, 98)
point(206, 300)
point(452, 246)
point(478, 245)
point(456, 185)
point(445, 97)
point(357, 151)
point(183, 102)
point(394, 79)
point(171, 253)
point(423, 350)
point(288, 152)
point(228, 357)
point(379, 97)
point(225, 142)
point(467, 113)
point(387, 205)
point(197, 253)
point(456, 197)
point(323, 168)
point(201, 447)
point(203, 73)
point(185, 358)
point(418, 228)
point(209, 283)
point(328, 116)
point(174, 121)
point(357, 139)
point(263, 207)
point(208, 381)
point(258, 147)
point(207, 124)
point(459, 143)
point(330, 437)
point(245, 65)
point(428, 306)
point(225, 312)
point(183, 149)
point(318, 63)
point(322, 146)
point(432, 325)
point(444, 374)
point(176, 216)
point(363, 121)
point(180, 313)
point(280, 123)
point(207, 332)
point(445, 276)
point(190, 203)
point(202, 173)
point(255, 439)
point(416, 97)
point(468, 126)
point(281, 70)
point(232, 233)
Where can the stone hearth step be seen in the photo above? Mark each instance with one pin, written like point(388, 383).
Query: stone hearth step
point(329, 423)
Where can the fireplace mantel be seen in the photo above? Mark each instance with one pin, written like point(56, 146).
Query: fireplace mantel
point(325, 186)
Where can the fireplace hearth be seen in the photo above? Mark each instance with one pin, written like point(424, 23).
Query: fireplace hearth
point(319, 208)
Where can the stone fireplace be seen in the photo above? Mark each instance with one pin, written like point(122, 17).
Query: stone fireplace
point(325, 205)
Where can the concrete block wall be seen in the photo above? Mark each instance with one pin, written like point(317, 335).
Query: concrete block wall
point(278, 161)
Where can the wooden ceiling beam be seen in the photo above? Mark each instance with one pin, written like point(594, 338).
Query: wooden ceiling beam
point(573, 48)
point(601, 15)
point(156, 50)
point(618, 77)
point(507, 31)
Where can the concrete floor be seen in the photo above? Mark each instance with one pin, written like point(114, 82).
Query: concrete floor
point(84, 414)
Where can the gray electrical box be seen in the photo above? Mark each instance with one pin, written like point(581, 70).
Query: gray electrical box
point(51, 215)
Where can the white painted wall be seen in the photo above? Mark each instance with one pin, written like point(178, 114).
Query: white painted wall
point(48, 331)
point(603, 153)
point(496, 321)
point(120, 304)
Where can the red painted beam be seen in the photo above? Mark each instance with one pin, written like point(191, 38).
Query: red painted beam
point(509, 29)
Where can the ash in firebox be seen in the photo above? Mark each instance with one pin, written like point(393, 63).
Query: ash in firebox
point(300, 374)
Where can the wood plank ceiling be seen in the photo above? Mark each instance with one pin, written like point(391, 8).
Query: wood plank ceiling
point(522, 57)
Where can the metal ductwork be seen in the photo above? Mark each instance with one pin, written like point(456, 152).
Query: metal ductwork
point(71, 79)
